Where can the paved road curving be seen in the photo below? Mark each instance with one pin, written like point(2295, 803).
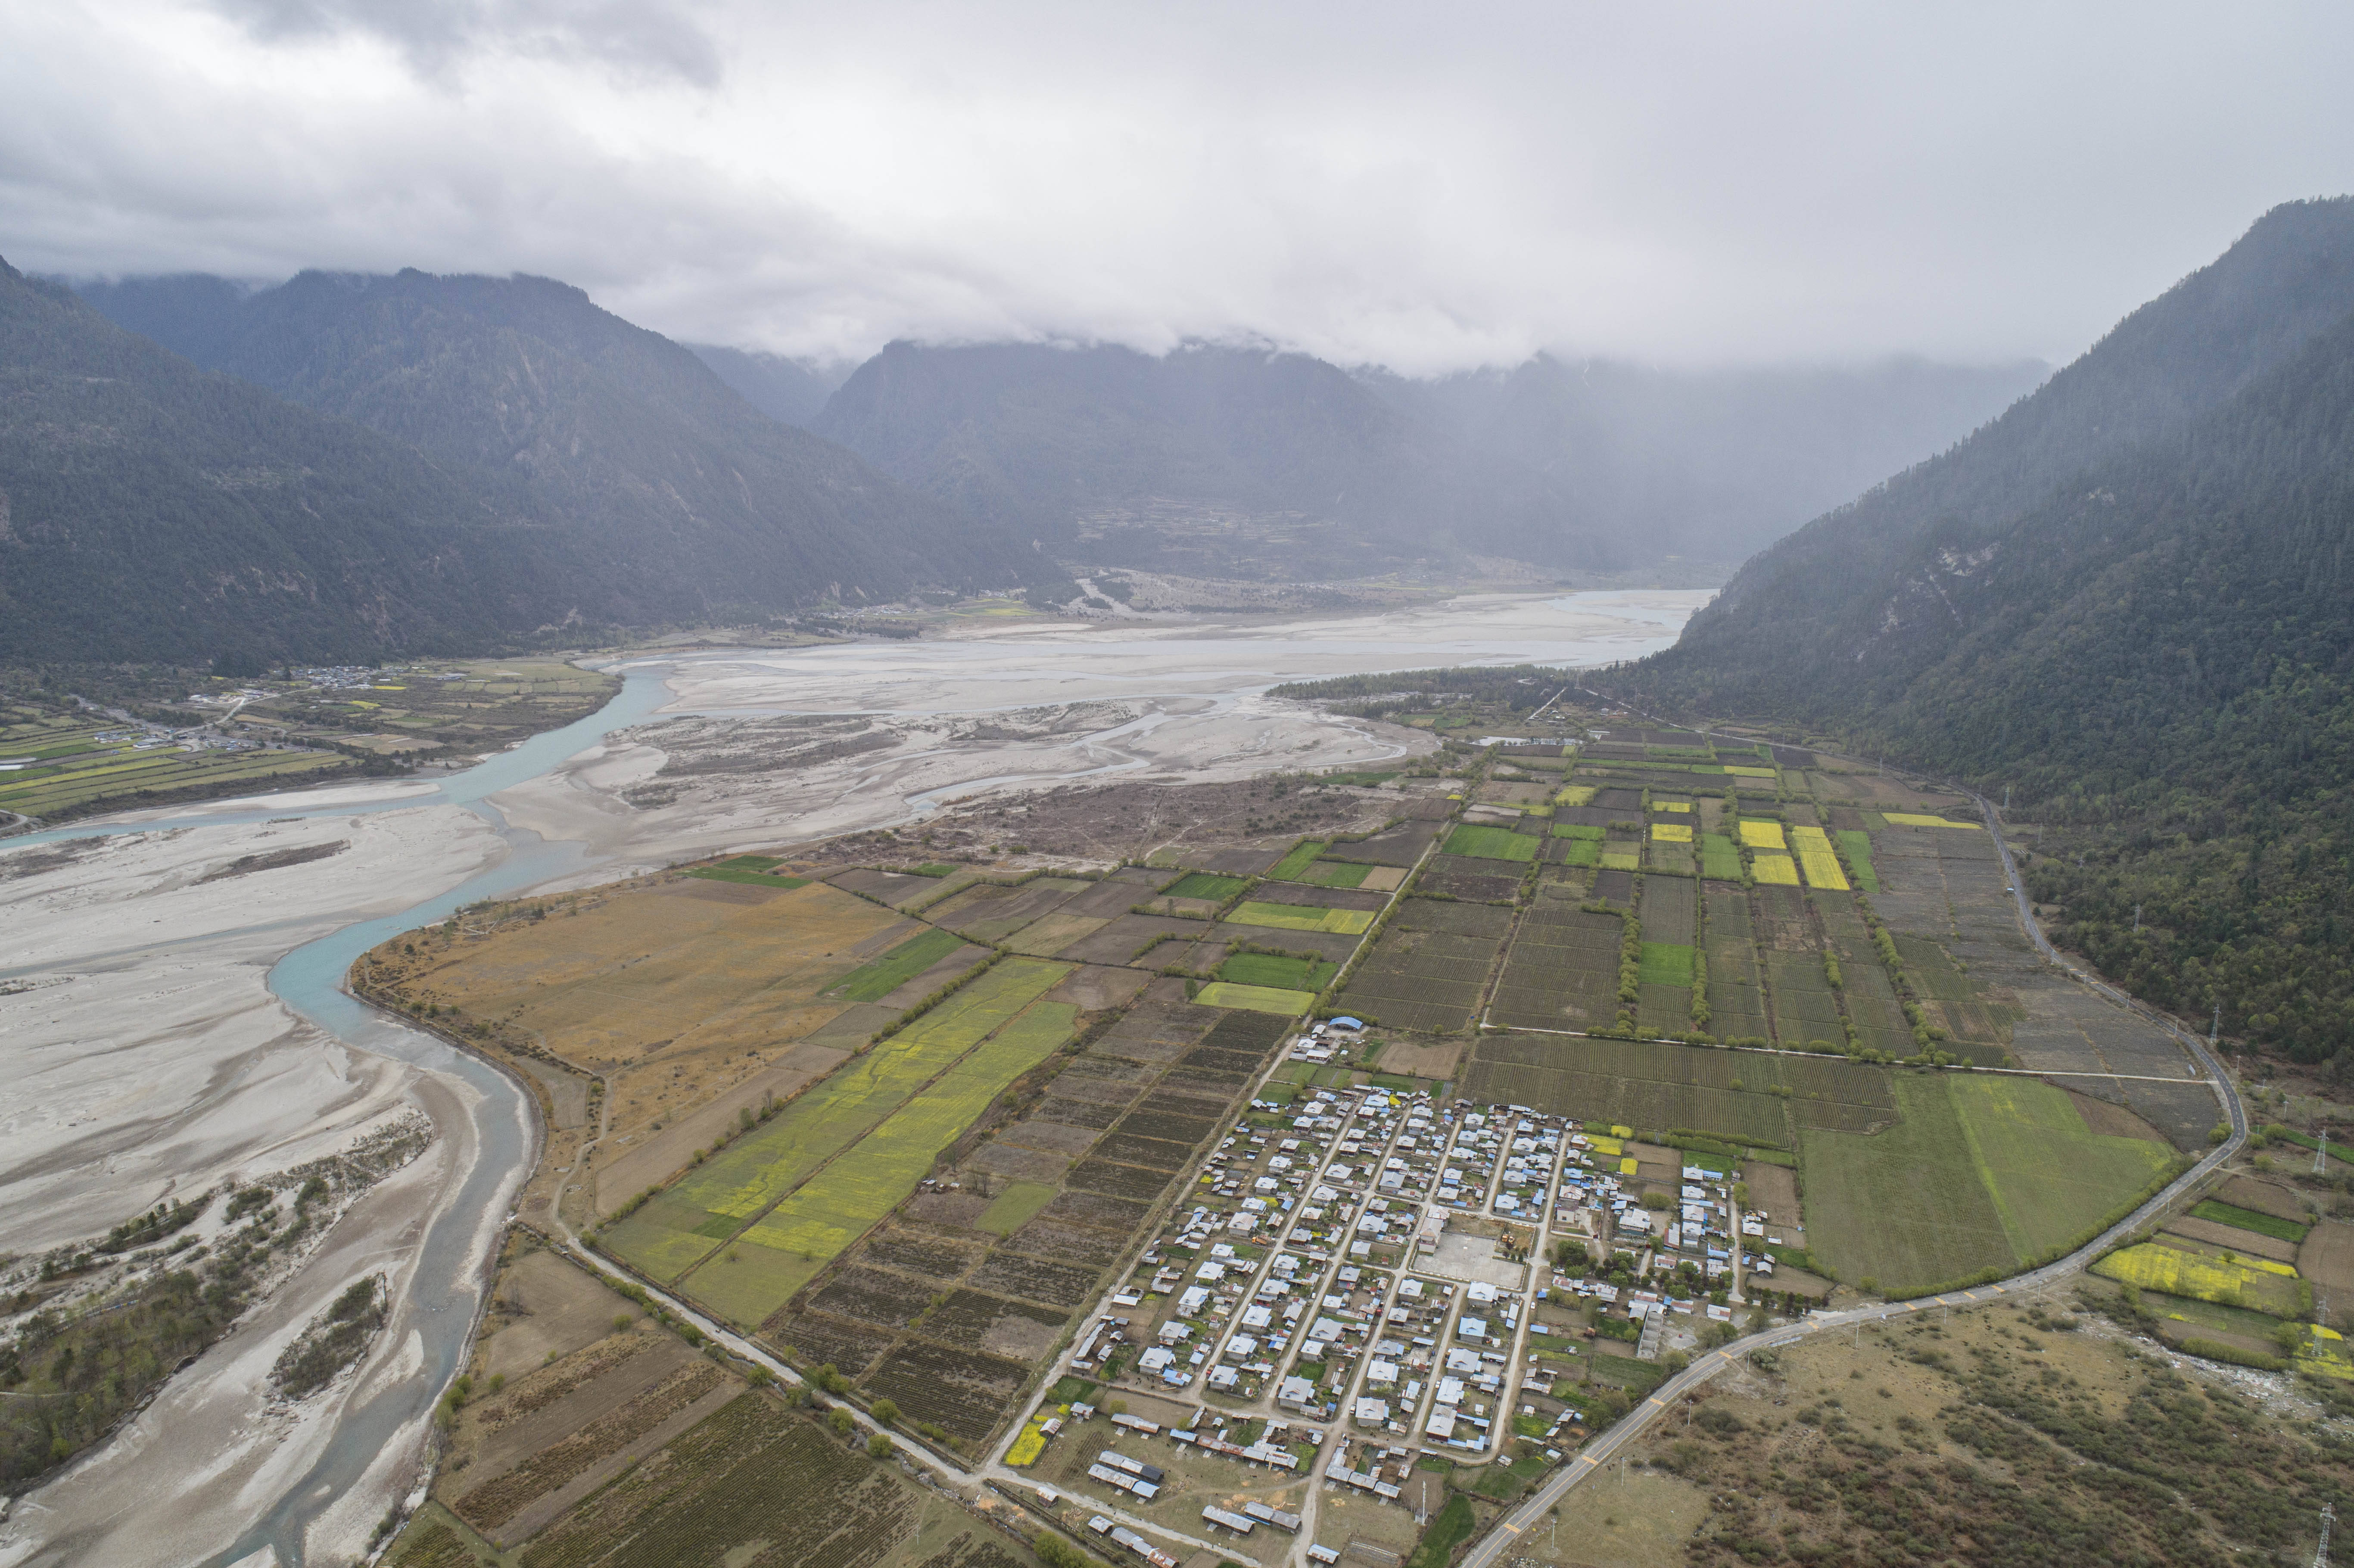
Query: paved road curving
point(1598, 1453)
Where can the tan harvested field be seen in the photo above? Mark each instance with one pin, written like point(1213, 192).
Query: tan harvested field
point(681, 991)
point(2263, 1197)
point(1096, 987)
point(660, 1155)
point(1773, 1189)
point(1438, 1060)
point(2247, 1244)
point(2327, 1258)
point(545, 1306)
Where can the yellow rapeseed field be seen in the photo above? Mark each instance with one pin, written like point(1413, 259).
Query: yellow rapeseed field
point(1818, 859)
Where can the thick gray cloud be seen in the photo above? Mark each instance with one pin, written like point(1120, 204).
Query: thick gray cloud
point(1429, 188)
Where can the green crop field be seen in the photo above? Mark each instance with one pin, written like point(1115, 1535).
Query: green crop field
point(2053, 1178)
point(1491, 843)
point(1904, 1208)
point(873, 981)
point(2264, 1224)
point(1667, 963)
point(1257, 998)
point(1207, 885)
point(1858, 846)
point(1720, 861)
point(845, 1199)
point(1583, 852)
point(1283, 974)
point(1576, 830)
point(1303, 854)
point(714, 1200)
point(1981, 1172)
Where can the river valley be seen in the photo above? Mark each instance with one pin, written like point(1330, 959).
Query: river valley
point(174, 1024)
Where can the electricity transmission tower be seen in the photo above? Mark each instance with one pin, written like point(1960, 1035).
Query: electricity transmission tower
point(2321, 1552)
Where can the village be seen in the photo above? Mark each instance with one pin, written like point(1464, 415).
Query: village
point(1369, 1287)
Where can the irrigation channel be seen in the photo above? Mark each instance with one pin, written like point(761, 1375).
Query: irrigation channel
point(1596, 1455)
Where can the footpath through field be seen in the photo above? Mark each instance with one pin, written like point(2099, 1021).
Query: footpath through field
point(1598, 1453)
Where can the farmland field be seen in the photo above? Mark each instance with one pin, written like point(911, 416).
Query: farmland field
point(1286, 974)
point(1719, 860)
point(1905, 1208)
point(1815, 859)
point(1302, 856)
point(839, 1203)
point(1257, 997)
point(1779, 870)
point(1667, 963)
point(1858, 846)
point(2251, 1283)
point(1491, 843)
point(1333, 873)
point(872, 982)
point(1562, 971)
point(715, 1199)
point(1207, 885)
point(2053, 1180)
point(2270, 1226)
point(1300, 917)
point(1658, 1086)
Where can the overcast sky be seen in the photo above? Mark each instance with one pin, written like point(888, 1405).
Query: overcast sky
point(1424, 185)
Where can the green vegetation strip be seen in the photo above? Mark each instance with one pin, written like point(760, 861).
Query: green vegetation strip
point(750, 878)
point(1207, 885)
point(1303, 855)
point(2264, 1224)
point(875, 981)
point(1857, 847)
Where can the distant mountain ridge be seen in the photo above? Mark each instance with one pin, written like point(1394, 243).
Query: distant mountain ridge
point(791, 390)
point(1108, 454)
point(682, 502)
point(2130, 601)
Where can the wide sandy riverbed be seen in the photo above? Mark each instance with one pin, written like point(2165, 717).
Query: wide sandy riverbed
point(149, 1056)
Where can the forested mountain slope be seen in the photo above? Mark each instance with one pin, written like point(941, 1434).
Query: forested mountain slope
point(2151, 640)
point(1851, 607)
point(683, 501)
point(1108, 455)
point(150, 510)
